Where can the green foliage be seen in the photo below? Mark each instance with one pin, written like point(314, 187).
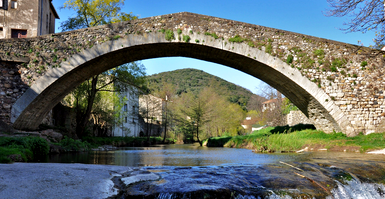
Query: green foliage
point(308, 63)
point(364, 63)
point(269, 48)
point(288, 106)
point(94, 13)
point(186, 38)
point(169, 35)
point(251, 44)
point(179, 31)
point(286, 138)
point(191, 32)
point(162, 30)
point(319, 53)
point(70, 144)
point(296, 50)
point(289, 59)
point(29, 148)
point(196, 40)
point(333, 69)
point(237, 39)
point(194, 81)
point(212, 34)
point(337, 62)
point(39, 147)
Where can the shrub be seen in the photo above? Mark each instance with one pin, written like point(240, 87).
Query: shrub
point(39, 148)
point(333, 69)
point(237, 39)
point(169, 35)
point(186, 38)
point(364, 63)
point(70, 144)
point(338, 62)
point(289, 59)
point(269, 49)
point(212, 34)
point(319, 53)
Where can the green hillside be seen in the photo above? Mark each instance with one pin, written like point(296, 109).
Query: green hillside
point(193, 80)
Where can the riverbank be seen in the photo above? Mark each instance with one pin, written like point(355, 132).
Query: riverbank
point(36, 149)
point(299, 139)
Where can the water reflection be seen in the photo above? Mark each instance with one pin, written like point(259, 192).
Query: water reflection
point(175, 155)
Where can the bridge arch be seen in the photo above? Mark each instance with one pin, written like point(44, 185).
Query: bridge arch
point(30, 109)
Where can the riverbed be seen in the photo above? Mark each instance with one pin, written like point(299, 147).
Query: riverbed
point(191, 171)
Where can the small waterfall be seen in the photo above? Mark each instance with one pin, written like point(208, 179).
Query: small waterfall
point(166, 196)
point(359, 190)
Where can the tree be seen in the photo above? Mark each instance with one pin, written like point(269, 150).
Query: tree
point(91, 13)
point(365, 15)
point(151, 110)
point(91, 99)
point(166, 93)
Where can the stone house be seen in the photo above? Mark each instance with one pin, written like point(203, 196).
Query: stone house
point(151, 108)
point(130, 123)
point(269, 105)
point(26, 18)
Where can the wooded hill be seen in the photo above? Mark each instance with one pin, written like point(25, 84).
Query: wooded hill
point(193, 80)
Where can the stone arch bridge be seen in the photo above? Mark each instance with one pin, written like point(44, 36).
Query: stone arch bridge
point(339, 86)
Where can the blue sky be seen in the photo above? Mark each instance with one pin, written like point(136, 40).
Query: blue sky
point(301, 16)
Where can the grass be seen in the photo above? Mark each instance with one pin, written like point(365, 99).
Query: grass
point(28, 148)
point(285, 138)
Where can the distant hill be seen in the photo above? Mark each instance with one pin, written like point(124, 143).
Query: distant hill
point(193, 80)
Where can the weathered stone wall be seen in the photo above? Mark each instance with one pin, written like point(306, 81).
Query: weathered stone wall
point(297, 117)
point(11, 88)
point(350, 75)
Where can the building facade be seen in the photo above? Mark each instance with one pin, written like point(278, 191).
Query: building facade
point(26, 18)
point(129, 124)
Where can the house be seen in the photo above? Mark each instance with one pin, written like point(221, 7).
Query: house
point(151, 108)
point(269, 105)
point(129, 124)
point(26, 18)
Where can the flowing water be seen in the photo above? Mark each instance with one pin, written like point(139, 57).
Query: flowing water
point(191, 171)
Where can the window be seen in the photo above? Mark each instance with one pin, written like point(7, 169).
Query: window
point(1, 29)
point(4, 4)
point(125, 119)
point(14, 4)
point(125, 107)
point(18, 33)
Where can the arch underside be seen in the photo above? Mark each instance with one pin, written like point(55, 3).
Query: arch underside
point(34, 113)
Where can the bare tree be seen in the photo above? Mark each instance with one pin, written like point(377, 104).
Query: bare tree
point(365, 15)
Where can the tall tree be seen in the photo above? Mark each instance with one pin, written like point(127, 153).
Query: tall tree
point(166, 93)
point(364, 15)
point(91, 13)
point(91, 98)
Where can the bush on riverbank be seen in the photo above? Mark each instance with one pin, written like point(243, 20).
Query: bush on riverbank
point(23, 149)
point(69, 144)
point(272, 140)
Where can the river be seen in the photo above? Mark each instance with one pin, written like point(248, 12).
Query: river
point(191, 171)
